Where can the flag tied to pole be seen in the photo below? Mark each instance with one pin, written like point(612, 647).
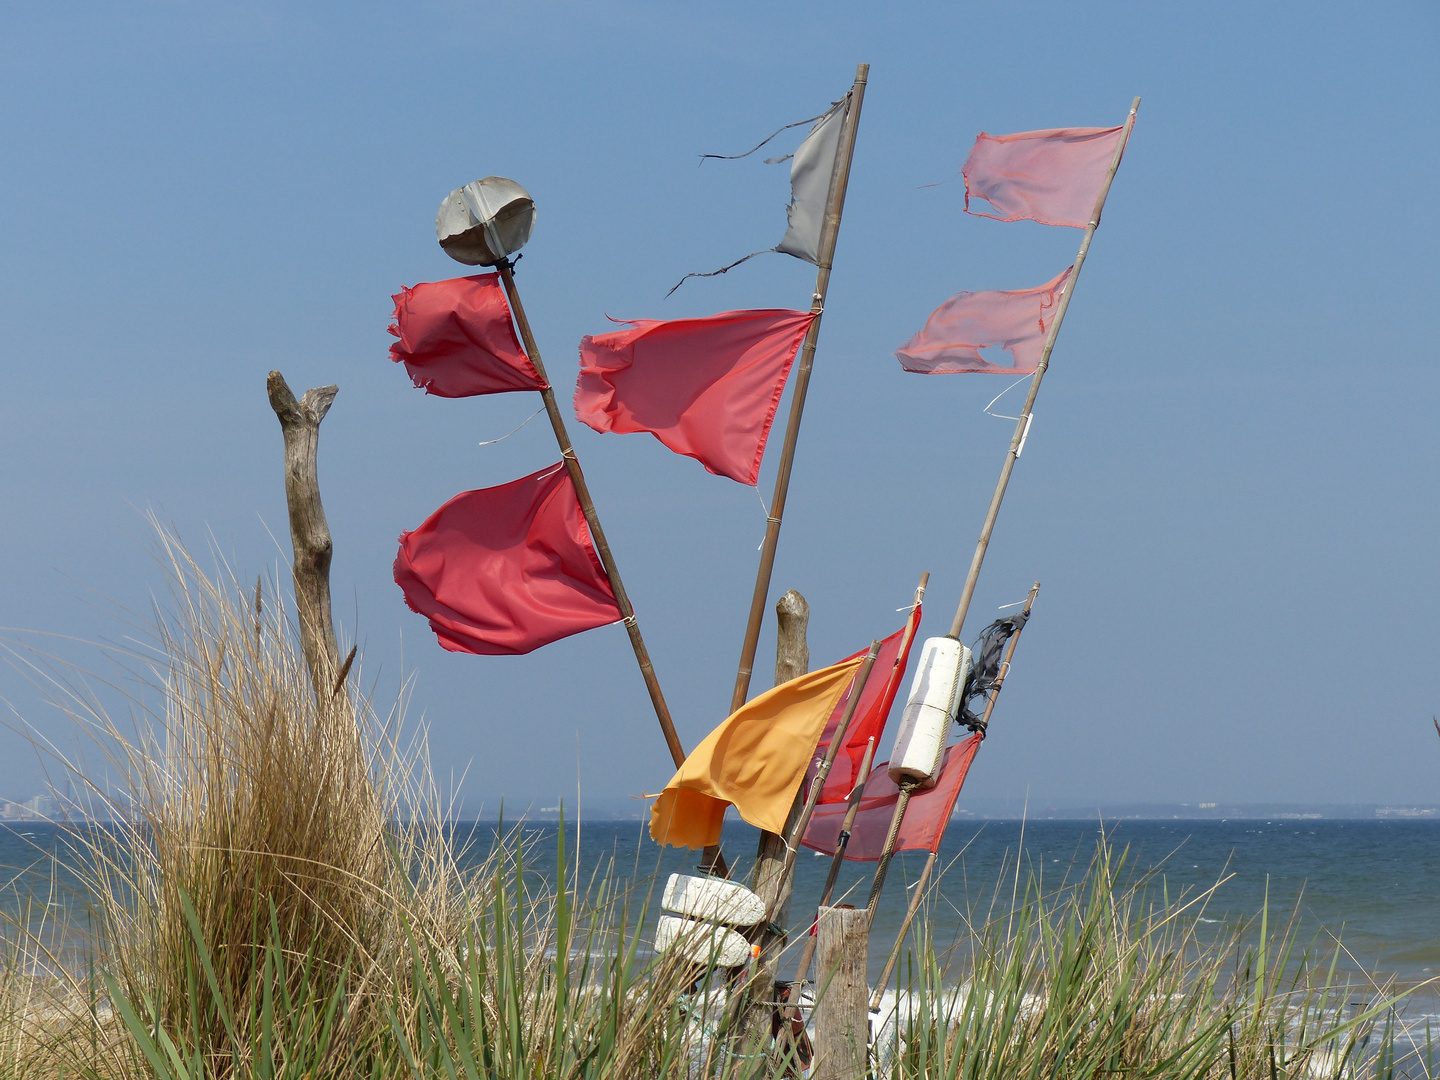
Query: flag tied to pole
point(457, 339)
point(876, 700)
point(811, 171)
point(504, 570)
point(1053, 177)
point(755, 761)
point(707, 388)
point(958, 329)
point(925, 817)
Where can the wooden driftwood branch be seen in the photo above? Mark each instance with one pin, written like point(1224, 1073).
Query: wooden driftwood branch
point(792, 659)
point(309, 534)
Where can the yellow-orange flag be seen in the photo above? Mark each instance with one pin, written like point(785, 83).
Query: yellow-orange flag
point(754, 761)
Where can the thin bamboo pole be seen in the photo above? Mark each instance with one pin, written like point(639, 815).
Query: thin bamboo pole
point(587, 505)
point(920, 885)
point(828, 235)
point(754, 1004)
point(792, 843)
point(808, 953)
point(1022, 426)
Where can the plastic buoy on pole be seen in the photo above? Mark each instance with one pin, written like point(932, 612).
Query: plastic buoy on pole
point(934, 702)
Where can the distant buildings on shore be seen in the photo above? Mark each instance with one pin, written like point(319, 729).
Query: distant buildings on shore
point(39, 808)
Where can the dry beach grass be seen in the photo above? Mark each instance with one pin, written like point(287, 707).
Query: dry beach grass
point(278, 898)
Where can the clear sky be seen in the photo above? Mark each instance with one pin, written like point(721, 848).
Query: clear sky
point(1229, 492)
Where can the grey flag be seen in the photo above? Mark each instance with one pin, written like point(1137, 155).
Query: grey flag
point(810, 176)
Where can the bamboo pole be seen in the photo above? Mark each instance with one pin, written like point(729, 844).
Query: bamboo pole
point(920, 885)
point(757, 1008)
point(828, 234)
point(1022, 426)
point(837, 740)
point(808, 953)
point(587, 505)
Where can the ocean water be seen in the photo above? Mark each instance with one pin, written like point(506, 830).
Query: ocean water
point(1374, 885)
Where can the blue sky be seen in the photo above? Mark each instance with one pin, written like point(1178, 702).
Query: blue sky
point(1228, 492)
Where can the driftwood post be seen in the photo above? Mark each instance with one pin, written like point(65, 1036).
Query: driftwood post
point(842, 1017)
point(309, 534)
point(792, 659)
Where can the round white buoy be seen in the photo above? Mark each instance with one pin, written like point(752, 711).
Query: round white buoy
point(701, 942)
point(712, 898)
point(934, 702)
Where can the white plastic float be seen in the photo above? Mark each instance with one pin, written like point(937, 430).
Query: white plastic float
point(934, 702)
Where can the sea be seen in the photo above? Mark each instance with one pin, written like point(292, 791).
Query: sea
point(1371, 885)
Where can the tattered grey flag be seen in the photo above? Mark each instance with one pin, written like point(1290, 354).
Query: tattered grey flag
point(811, 174)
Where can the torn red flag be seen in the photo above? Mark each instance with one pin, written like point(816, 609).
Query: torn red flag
point(707, 388)
point(1053, 177)
point(504, 570)
point(871, 713)
point(969, 321)
point(457, 339)
point(925, 818)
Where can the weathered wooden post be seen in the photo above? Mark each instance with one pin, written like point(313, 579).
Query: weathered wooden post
point(842, 1016)
point(309, 533)
point(792, 659)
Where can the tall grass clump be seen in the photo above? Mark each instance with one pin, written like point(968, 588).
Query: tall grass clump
point(1106, 978)
point(268, 842)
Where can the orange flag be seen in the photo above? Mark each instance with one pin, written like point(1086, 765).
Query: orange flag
point(754, 761)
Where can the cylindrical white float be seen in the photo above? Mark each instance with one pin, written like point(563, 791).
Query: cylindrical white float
point(934, 702)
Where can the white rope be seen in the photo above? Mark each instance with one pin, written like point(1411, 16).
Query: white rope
point(492, 442)
point(1002, 393)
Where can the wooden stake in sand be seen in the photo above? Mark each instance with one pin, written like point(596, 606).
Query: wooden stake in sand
point(828, 234)
point(587, 505)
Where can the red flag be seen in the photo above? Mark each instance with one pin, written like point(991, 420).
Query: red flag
point(870, 714)
point(925, 817)
point(504, 570)
point(1053, 177)
point(457, 340)
point(706, 388)
point(969, 321)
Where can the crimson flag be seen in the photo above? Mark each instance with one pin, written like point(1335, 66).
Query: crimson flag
point(1053, 177)
point(706, 388)
point(870, 714)
point(925, 818)
point(504, 570)
point(457, 340)
point(958, 329)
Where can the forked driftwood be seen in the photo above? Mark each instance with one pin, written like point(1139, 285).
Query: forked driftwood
point(309, 533)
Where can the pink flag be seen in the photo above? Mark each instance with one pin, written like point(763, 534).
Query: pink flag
point(457, 340)
point(706, 388)
point(969, 321)
point(925, 817)
point(504, 570)
point(871, 712)
point(1053, 177)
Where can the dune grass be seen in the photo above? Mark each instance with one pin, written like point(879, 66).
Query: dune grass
point(278, 899)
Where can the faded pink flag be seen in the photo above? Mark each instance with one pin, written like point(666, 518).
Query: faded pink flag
point(969, 321)
point(1052, 177)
